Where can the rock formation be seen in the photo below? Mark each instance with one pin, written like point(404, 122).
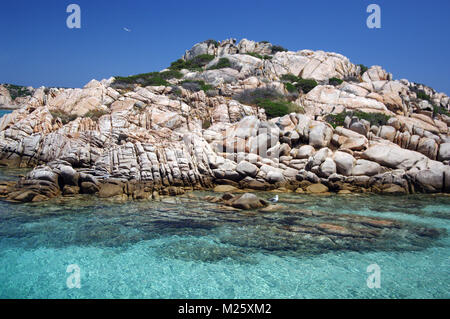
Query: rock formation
point(138, 141)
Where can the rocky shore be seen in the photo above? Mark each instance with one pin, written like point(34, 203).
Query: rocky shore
point(215, 120)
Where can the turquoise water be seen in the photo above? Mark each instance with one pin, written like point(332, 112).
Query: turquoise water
point(185, 247)
point(3, 112)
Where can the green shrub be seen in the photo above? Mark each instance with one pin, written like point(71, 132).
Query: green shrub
point(378, 119)
point(290, 87)
point(440, 110)
point(289, 78)
point(423, 96)
point(171, 74)
point(16, 91)
point(264, 42)
point(278, 48)
point(278, 108)
point(195, 64)
point(221, 64)
point(335, 81)
point(64, 117)
point(306, 85)
point(213, 42)
point(273, 102)
point(363, 68)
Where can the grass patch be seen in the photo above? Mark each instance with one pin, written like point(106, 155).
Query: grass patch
point(378, 119)
point(64, 117)
point(16, 91)
point(221, 64)
point(95, 114)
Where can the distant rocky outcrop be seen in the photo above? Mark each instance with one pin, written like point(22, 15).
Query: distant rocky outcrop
point(350, 130)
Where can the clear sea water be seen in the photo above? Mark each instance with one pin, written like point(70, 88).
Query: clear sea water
point(3, 112)
point(185, 247)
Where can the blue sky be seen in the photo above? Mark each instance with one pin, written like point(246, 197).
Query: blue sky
point(36, 47)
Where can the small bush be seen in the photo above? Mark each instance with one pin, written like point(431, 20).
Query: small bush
point(306, 85)
point(264, 42)
point(290, 87)
point(378, 119)
point(272, 101)
point(302, 84)
point(213, 42)
point(335, 81)
point(195, 64)
point(206, 123)
point(289, 78)
point(278, 108)
point(440, 110)
point(278, 48)
point(221, 64)
point(363, 68)
point(423, 96)
point(64, 117)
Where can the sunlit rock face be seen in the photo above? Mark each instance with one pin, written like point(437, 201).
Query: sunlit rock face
point(216, 123)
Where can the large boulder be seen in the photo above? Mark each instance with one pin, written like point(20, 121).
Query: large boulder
point(320, 135)
point(248, 201)
point(344, 163)
point(366, 168)
point(247, 169)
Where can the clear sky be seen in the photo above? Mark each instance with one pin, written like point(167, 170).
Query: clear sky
point(37, 48)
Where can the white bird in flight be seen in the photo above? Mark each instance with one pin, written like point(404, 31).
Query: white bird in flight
point(126, 29)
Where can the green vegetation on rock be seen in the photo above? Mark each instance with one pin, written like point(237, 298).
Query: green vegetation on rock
point(195, 64)
point(16, 91)
point(305, 85)
point(221, 64)
point(363, 68)
point(335, 81)
point(278, 48)
point(378, 119)
point(196, 85)
point(273, 102)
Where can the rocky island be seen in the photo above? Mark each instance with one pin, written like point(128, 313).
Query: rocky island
point(227, 115)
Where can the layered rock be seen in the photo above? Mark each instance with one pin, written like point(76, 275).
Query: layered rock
point(142, 141)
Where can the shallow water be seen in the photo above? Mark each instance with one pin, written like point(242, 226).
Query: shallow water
point(3, 112)
point(185, 247)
